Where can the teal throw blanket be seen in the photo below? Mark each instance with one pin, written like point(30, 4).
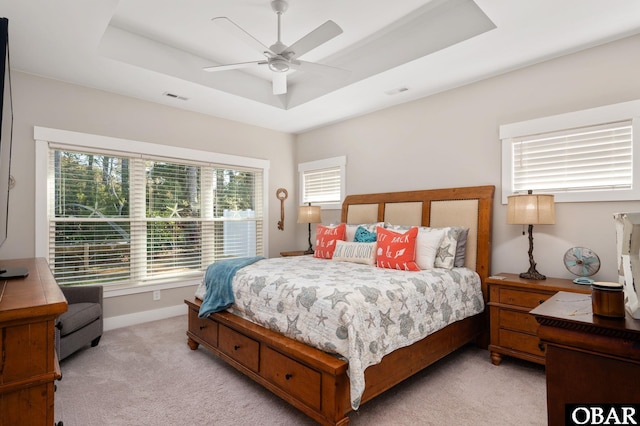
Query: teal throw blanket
point(217, 279)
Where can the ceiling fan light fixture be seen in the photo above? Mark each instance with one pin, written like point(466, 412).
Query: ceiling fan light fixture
point(280, 58)
point(278, 65)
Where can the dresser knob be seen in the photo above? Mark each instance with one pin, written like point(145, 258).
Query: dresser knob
point(540, 302)
point(541, 346)
point(236, 347)
point(288, 376)
point(202, 327)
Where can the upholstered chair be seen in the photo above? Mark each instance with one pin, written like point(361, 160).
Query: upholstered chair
point(81, 325)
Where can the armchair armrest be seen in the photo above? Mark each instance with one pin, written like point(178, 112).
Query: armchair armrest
point(85, 293)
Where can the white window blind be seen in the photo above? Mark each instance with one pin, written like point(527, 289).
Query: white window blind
point(115, 218)
point(579, 156)
point(322, 186)
point(589, 158)
point(322, 182)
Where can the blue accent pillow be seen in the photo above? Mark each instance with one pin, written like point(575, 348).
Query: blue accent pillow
point(364, 236)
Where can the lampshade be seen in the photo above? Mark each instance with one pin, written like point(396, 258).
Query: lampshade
point(309, 214)
point(530, 209)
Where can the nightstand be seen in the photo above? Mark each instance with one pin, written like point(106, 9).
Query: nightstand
point(292, 253)
point(513, 329)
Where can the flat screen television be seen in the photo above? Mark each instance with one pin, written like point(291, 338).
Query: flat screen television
point(6, 139)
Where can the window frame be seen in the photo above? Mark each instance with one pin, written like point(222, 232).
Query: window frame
point(316, 165)
point(47, 139)
point(575, 120)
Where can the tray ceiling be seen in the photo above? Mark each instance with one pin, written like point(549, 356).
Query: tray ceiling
point(394, 52)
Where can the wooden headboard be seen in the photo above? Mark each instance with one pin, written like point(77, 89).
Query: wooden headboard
point(469, 206)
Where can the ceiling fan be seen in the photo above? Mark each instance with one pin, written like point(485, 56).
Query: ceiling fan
point(279, 57)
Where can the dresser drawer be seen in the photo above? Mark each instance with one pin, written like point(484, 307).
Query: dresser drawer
point(28, 406)
point(518, 321)
point(204, 328)
point(521, 342)
point(239, 347)
point(295, 378)
point(23, 353)
point(525, 299)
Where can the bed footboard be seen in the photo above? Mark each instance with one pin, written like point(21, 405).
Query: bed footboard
point(309, 379)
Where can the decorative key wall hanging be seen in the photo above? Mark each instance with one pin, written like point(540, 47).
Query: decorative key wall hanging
point(282, 195)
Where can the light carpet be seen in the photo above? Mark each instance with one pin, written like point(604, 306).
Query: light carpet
point(147, 375)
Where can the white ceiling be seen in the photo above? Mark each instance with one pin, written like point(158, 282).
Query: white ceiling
point(147, 48)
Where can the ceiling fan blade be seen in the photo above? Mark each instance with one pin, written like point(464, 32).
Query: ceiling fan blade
point(325, 70)
point(315, 38)
point(233, 28)
point(233, 66)
point(279, 81)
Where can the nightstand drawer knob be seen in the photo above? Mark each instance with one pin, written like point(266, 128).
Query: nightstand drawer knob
point(541, 346)
point(540, 302)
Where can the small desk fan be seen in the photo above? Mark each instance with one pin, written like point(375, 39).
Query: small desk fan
point(582, 262)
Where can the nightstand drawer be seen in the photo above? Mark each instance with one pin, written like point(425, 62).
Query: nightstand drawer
point(526, 299)
point(518, 321)
point(521, 342)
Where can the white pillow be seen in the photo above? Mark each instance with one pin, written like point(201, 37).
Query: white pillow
point(427, 244)
point(349, 251)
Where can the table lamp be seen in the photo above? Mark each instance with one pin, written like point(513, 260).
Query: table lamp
point(309, 214)
point(531, 209)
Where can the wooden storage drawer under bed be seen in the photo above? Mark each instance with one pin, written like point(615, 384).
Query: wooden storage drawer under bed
point(291, 376)
point(239, 347)
point(203, 328)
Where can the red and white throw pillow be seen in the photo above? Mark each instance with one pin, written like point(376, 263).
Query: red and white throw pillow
point(326, 237)
point(397, 250)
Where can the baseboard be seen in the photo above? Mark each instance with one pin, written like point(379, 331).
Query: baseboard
point(144, 316)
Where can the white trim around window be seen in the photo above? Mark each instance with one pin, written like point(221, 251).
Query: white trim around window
point(47, 139)
point(510, 134)
point(328, 177)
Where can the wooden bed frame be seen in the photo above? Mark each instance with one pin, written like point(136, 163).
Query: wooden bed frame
point(316, 382)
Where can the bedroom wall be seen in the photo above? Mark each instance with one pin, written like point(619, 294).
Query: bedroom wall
point(451, 139)
point(44, 102)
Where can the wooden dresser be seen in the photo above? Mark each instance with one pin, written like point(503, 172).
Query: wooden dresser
point(28, 362)
point(512, 328)
point(590, 359)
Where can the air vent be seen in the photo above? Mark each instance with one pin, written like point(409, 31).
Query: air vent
point(396, 90)
point(173, 95)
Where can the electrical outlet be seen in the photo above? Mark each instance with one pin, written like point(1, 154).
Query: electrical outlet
point(156, 294)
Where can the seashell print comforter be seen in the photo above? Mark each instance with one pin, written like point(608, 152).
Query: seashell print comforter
point(358, 312)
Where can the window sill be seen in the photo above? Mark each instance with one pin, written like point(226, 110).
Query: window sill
point(127, 289)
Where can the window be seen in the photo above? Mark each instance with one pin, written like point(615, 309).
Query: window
point(580, 156)
point(116, 217)
point(322, 182)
